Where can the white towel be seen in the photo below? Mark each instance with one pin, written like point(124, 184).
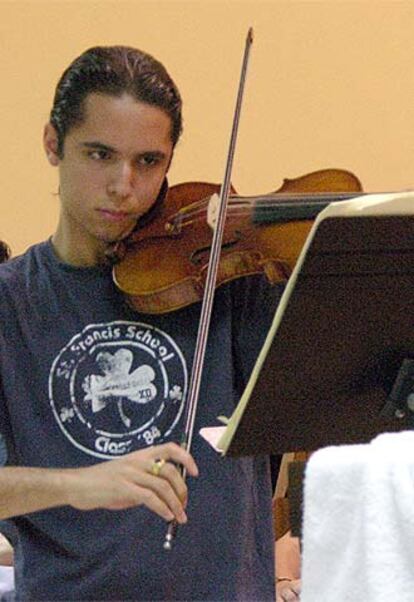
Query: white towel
point(358, 530)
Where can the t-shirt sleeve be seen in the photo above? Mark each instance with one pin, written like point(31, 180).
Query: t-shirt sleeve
point(5, 428)
point(7, 527)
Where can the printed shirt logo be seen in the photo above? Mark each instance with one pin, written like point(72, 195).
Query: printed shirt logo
point(118, 387)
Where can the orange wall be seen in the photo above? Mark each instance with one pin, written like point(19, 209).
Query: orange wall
point(330, 84)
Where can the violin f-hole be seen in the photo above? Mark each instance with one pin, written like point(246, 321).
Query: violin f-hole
point(196, 256)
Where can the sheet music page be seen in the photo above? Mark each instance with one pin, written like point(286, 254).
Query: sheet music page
point(372, 205)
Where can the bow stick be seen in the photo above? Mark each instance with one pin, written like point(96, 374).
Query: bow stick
point(208, 297)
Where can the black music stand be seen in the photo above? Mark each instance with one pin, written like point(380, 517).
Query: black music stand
point(343, 333)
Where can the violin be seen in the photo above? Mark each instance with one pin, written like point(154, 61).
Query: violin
point(163, 264)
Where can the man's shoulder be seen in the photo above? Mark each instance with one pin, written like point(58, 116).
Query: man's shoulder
point(14, 271)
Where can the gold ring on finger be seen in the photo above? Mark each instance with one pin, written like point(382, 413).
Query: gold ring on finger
point(156, 466)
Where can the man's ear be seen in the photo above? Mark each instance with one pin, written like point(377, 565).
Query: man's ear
point(50, 143)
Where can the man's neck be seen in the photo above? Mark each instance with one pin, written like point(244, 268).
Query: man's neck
point(78, 255)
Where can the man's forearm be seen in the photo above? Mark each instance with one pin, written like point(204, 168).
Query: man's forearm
point(122, 483)
point(24, 490)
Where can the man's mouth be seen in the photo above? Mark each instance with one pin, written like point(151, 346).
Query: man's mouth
point(114, 216)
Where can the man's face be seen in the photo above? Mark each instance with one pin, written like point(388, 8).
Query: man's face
point(112, 169)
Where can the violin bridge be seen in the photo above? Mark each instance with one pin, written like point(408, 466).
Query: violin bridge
point(212, 210)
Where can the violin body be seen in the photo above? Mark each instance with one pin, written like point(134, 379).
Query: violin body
point(165, 263)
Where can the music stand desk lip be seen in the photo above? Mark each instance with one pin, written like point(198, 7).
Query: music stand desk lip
point(340, 330)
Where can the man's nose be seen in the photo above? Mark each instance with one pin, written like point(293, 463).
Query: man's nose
point(121, 184)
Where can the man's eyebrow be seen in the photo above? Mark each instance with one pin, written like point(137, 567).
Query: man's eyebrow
point(95, 145)
point(98, 145)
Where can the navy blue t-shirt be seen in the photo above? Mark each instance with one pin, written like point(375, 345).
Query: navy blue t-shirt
point(84, 379)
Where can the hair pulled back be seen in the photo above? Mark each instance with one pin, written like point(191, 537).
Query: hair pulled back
point(4, 251)
point(113, 70)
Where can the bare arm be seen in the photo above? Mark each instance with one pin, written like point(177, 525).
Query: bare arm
point(6, 552)
point(288, 558)
point(114, 485)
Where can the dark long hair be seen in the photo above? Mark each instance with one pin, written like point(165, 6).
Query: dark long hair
point(113, 70)
point(4, 251)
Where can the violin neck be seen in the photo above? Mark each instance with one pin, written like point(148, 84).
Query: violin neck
point(287, 208)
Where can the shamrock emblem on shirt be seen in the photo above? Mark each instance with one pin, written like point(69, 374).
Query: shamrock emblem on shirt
point(118, 384)
point(176, 393)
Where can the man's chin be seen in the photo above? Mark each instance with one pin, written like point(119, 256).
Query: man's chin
point(113, 238)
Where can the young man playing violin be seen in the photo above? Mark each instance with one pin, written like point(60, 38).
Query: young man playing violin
point(85, 379)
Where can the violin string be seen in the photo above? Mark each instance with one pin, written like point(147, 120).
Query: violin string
point(261, 204)
point(187, 217)
point(276, 200)
point(201, 218)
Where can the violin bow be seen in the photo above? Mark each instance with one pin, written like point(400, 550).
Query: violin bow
point(210, 285)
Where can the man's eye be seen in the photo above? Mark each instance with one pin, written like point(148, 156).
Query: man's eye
point(99, 155)
point(148, 160)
